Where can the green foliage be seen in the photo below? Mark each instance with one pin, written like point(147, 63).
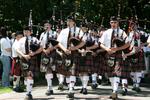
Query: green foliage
point(5, 90)
point(15, 13)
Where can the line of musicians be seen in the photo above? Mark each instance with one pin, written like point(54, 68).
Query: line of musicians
point(77, 52)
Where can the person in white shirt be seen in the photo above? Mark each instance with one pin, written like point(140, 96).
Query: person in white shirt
point(16, 68)
point(135, 58)
point(116, 66)
point(5, 57)
point(27, 52)
point(47, 51)
point(63, 37)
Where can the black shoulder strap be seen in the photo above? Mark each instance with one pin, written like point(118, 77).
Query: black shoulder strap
point(27, 46)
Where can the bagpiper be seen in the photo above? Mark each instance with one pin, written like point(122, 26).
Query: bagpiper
point(114, 59)
point(48, 54)
point(28, 48)
point(64, 42)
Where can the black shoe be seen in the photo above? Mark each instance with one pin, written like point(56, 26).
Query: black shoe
point(16, 89)
point(84, 91)
point(81, 90)
point(124, 92)
point(60, 87)
point(94, 86)
point(49, 92)
point(134, 88)
point(70, 95)
point(28, 97)
point(138, 89)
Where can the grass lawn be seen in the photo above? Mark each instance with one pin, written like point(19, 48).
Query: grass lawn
point(5, 90)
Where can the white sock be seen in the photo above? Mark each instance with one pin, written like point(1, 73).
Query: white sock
point(16, 81)
point(116, 84)
point(72, 83)
point(138, 78)
point(67, 80)
point(124, 83)
point(85, 81)
point(29, 85)
point(49, 81)
point(61, 79)
point(133, 77)
point(94, 80)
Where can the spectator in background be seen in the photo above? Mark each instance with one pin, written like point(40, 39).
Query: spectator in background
point(5, 56)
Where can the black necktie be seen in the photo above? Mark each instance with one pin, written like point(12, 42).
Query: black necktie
point(112, 36)
point(68, 40)
point(47, 40)
point(27, 46)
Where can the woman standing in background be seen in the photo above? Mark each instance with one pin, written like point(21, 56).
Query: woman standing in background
point(5, 57)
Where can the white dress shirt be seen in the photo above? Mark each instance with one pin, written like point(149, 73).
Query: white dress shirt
point(43, 37)
point(63, 36)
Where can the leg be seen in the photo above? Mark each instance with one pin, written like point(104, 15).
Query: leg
point(61, 81)
point(29, 83)
point(16, 81)
point(94, 81)
point(124, 86)
point(49, 77)
point(71, 86)
point(85, 82)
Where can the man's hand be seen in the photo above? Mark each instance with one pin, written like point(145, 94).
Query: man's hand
point(114, 49)
point(67, 51)
point(27, 57)
point(72, 48)
point(46, 51)
point(110, 51)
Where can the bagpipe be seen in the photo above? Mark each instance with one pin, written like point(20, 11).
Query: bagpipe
point(49, 60)
point(34, 46)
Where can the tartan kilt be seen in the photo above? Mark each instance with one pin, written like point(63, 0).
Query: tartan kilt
point(85, 63)
point(117, 66)
point(33, 66)
point(48, 62)
point(136, 62)
point(16, 67)
point(99, 64)
point(63, 66)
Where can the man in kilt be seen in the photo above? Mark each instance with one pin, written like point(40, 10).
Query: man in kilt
point(86, 59)
point(114, 61)
point(64, 43)
point(134, 60)
point(86, 64)
point(47, 57)
point(97, 58)
point(16, 68)
point(27, 49)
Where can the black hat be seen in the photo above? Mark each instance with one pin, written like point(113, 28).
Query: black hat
point(18, 33)
point(71, 18)
point(113, 18)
